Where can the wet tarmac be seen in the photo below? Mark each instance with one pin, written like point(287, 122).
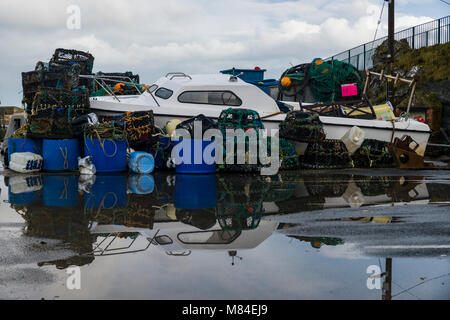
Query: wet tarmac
point(349, 234)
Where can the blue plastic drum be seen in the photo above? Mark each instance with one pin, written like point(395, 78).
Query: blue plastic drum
point(195, 191)
point(60, 155)
point(198, 149)
point(108, 192)
point(24, 145)
point(107, 155)
point(60, 191)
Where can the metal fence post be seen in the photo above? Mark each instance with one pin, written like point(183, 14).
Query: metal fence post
point(439, 31)
point(364, 63)
point(348, 56)
point(413, 37)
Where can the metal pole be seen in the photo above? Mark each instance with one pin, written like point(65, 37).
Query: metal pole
point(391, 27)
point(439, 31)
point(364, 63)
point(387, 285)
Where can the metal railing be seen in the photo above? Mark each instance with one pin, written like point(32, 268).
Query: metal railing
point(423, 35)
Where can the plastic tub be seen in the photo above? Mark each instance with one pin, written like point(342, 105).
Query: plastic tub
point(197, 148)
point(107, 155)
point(108, 192)
point(24, 145)
point(195, 191)
point(141, 162)
point(60, 191)
point(60, 155)
point(141, 183)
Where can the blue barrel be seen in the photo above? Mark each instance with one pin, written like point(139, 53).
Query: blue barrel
point(24, 198)
point(195, 191)
point(60, 155)
point(141, 162)
point(60, 191)
point(196, 149)
point(24, 145)
point(141, 183)
point(108, 192)
point(107, 155)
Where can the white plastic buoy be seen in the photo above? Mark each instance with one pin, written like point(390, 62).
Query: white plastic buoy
point(353, 139)
point(25, 162)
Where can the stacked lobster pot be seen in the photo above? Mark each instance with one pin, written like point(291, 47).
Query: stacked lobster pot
point(246, 120)
point(57, 105)
point(320, 153)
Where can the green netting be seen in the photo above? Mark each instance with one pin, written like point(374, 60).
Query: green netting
point(244, 119)
point(373, 154)
point(326, 154)
point(325, 79)
point(302, 126)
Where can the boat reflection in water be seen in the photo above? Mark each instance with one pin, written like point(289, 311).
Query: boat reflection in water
point(105, 214)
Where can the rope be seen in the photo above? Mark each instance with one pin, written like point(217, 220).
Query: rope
point(65, 192)
point(65, 156)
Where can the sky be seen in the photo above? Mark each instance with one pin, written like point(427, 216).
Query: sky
point(152, 37)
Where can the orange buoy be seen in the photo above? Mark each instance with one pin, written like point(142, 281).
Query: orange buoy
point(286, 82)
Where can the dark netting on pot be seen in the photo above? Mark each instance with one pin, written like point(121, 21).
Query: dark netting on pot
point(327, 154)
point(248, 125)
point(140, 127)
point(56, 98)
point(373, 154)
point(318, 185)
point(69, 57)
point(206, 123)
point(302, 126)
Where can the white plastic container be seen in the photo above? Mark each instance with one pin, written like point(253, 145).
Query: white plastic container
point(25, 162)
point(353, 139)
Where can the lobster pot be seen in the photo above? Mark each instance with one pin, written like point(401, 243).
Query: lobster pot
point(141, 162)
point(107, 155)
point(195, 191)
point(327, 154)
point(60, 191)
point(108, 192)
point(197, 151)
point(24, 145)
point(61, 155)
point(141, 183)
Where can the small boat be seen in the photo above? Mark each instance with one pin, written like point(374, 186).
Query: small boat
point(181, 96)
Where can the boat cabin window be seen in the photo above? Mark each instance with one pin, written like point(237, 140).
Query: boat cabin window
point(221, 98)
point(163, 93)
point(152, 88)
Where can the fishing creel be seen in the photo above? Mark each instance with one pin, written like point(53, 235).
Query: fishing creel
point(302, 126)
point(326, 154)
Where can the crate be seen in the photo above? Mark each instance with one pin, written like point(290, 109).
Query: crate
point(67, 57)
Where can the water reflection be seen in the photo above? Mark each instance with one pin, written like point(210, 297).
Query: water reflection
point(108, 215)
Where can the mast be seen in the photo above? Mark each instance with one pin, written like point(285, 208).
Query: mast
point(391, 27)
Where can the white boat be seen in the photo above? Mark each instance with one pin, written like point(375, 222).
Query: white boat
point(181, 96)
